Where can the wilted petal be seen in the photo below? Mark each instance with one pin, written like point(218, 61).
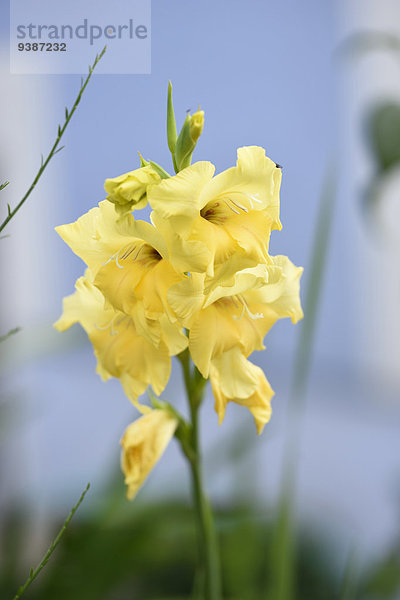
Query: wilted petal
point(143, 444)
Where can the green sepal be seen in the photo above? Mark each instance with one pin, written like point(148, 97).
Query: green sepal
point(163, 405)
point(157, 168)
point(143, 162)
point(162, 172)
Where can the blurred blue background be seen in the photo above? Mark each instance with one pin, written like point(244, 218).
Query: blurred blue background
point(265, 73)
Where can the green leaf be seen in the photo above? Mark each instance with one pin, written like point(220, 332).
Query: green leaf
point(58, 150)
point(172, 134)
point(383, 130)
point(4, 185)
point(383, 579)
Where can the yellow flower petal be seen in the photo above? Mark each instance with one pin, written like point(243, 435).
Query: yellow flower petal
point(93, 237)
point(119, 350)
point(251, 232)
point(173, 336)
point(118, 280)
point(253, 185)
point(205, 221)
point(178, 196)
point(127, 259)
point(231, 279)
point(97, 237)
point(242, 313)
point(235, 379)
point(143, 444)
point(280, 298)
point(159, 330)
point(213, 332)
point(186, 298)
point(185, 255)
point(153, 288)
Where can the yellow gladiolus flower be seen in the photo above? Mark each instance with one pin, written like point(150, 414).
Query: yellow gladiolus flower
point(143, 444)
point(227, 318)
point(235, 379)
point(129, 191)
point(119, 350)
point(128, 260)
point(238, 313)
point(206, 220)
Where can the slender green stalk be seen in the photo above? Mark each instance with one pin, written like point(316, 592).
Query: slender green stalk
point(284, 585)
point(35, 572)
point(209, 574)
point(55, 148)
point(5, 337)
point(348, 586)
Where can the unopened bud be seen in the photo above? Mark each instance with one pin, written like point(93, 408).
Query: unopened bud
point(187, 139)
point(196, 125)
point(129, 191)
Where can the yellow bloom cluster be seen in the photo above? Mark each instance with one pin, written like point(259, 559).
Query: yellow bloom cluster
point(199, 276)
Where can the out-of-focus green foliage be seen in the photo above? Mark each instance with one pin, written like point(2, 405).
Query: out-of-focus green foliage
point(383, 579)
point(383, 129)
point(383, 120)
point(35, 571)
point(383, 136)
point(124, 550)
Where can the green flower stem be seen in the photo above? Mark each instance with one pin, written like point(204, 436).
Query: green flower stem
point(55, 148)
point(5, 337)
point(207, 539)
point(35, 572)
point(285, 535)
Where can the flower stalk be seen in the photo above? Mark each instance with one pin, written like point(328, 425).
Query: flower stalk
point(209, 571)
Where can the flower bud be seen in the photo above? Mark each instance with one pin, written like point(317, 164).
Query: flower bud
point(129, 191)
point(196, 125)
point(187, 139)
